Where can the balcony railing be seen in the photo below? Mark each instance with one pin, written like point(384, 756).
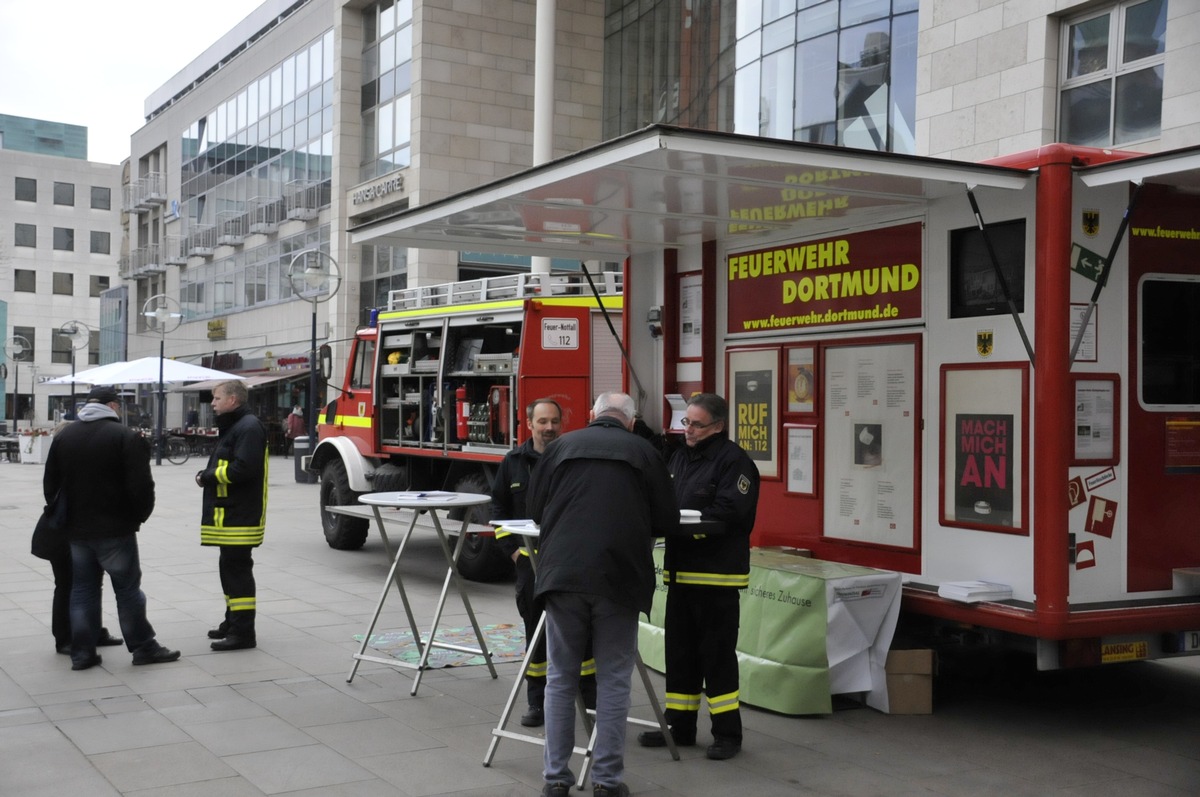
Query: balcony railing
point(173, 253)
point(266, 213)
point(144, 193)
point(201, 241)
point(305, 198)
point(231, 228)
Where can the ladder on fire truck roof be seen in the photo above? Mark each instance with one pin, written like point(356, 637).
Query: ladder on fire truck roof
point(508, 286)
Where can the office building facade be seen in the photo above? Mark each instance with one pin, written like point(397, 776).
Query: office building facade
point(59, 245)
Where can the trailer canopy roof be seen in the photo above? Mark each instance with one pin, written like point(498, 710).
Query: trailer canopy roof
point(665, 187)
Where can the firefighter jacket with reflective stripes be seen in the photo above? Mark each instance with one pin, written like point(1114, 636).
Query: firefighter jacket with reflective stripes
point(718, 478)
point(235, 483)
point(508, 493)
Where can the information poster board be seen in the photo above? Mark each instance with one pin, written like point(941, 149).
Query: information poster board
point(870, 442)
point(753, 379)
point(1097, 419)
point(985, 438)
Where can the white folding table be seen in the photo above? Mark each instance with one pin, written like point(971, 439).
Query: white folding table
point(431, 503)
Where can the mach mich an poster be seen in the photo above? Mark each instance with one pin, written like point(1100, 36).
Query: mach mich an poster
point(983, 468)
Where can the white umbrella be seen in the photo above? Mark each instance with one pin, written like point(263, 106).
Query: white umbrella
point(143, 371)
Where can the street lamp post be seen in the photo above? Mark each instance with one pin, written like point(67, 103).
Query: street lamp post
point(78, 335)
point(316, 279)
point(17, 346)
point(159, 316)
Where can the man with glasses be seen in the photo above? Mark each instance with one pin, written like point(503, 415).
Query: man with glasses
point(704, 566)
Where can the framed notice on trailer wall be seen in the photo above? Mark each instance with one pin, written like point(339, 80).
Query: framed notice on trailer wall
point(752, 390)
point(985, 444)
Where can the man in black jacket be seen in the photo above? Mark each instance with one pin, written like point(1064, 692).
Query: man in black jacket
point(600, 495)
point(234, 510)
point(704, 567)
point(101, 470)
point(543, 418)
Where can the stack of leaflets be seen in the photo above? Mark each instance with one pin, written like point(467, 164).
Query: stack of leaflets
point(974, 591)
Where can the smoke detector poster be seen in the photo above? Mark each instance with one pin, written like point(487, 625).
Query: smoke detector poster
point(983, 477)
point(985, 438)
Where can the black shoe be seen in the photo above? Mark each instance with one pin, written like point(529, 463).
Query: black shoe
point(234, 642)
point(86, 664)
point(106, 638)
point(220, 632)
point(556, 790)
point(534, 717)
point(159, 654)
point(656, 739)
point(723, 749)
point(620, 790)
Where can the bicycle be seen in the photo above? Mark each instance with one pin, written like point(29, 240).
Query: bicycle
point(174, 450)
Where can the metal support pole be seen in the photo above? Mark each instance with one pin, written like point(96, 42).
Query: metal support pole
point(311, 431)
point(158, 434)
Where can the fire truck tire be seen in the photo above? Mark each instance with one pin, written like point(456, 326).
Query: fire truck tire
point(342, 532)
point(481, 559)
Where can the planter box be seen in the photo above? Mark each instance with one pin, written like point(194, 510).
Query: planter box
point(33, 449)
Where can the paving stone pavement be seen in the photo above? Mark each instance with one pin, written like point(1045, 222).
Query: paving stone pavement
point(281, 719)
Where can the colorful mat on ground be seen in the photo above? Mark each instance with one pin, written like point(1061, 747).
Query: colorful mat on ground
point(505, 641)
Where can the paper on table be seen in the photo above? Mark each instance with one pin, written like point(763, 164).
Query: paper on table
point(431, 495)
point(689, 516)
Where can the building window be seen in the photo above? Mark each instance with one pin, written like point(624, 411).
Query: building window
point(60, 347)
point(64, 194)
point(387, 81)
point(1168, 333)
point(100, 243)
point(25, 234)
point(30, 335)
point(64, 239)
point(1112, 79)
point(97, 286)
point(24, 280)
point(101, 198)
point(26, 189)
point(64, 283)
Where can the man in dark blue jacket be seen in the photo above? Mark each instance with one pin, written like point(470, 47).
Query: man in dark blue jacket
point(234, 510)
point(704, 567)
point(101, 469)
point(600, 495)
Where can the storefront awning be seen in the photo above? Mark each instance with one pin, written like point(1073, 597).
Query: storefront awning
point(251, 382)
point(664, 187)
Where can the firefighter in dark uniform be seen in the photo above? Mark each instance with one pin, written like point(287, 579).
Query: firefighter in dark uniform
point(704, 567)
point(543, 418)
point(234, 511)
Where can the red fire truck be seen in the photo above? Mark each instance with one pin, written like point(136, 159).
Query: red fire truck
point(962, 372)
point(436, 389)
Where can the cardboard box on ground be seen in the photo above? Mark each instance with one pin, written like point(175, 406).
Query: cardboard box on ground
point(910, 681)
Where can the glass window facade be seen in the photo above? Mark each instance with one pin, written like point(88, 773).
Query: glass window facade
point(384, 269)
point(271, 139)
point(97, 285)
point(823, 71)
point(24, 280)
point(30, 335)
point(254, 277)
point(1112, 75)
point(387, 81)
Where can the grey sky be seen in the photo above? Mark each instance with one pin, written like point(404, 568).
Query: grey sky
point(93, 63)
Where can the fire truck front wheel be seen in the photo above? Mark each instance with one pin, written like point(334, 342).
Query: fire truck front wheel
point(481, 559)
point(342, 532)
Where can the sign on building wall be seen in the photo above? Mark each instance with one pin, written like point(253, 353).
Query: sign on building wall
point(861, 278)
